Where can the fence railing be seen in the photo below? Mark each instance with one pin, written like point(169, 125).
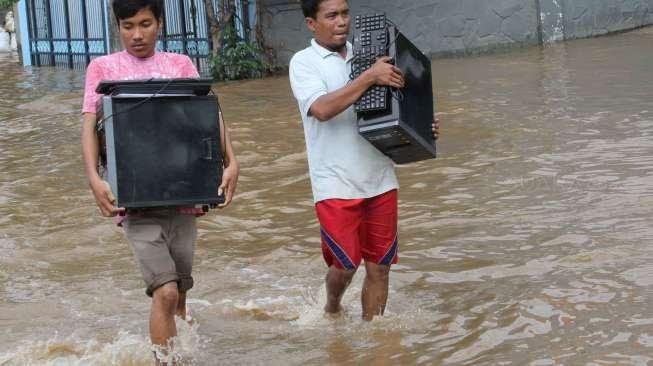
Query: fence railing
point(57, 39)
point(72, 32)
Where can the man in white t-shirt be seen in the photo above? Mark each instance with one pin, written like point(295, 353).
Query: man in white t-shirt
point(354, 185)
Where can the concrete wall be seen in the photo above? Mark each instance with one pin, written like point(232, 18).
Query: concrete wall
point(441, 27)
point(587, 18)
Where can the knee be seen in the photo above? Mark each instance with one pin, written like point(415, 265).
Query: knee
point(378, 273)
point(167, 295)
point(348, 275)
point(341, 275)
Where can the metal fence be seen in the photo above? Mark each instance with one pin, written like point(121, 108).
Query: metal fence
point(71, 32)
point(57, 39)
point(186, 28)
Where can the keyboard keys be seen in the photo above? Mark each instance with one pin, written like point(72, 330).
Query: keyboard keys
point(370, 43)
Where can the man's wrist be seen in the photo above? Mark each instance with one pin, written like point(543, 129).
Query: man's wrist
point(366, 78)
point(230, 163)
point(94, 179)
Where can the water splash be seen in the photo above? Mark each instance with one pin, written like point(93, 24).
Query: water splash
point(125, 349)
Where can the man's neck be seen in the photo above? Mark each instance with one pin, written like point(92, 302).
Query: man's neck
point(140, 57)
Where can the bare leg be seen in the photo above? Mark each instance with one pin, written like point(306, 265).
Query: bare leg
point(375, 290)
point(181, 305)
point(337, 281)
point(162, 315)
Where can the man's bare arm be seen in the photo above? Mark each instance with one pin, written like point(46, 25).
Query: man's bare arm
point(231, 170)
point(90, 148)
point(334, 103)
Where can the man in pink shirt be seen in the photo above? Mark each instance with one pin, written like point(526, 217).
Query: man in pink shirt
point(163, 242)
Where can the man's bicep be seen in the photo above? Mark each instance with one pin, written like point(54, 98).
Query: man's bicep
point(89, 119)
point(93, 76)
point(89, 128)
point(311, 102)
point(307, 85)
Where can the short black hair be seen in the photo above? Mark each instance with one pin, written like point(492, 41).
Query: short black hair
point(124, 9)
point(310, 8)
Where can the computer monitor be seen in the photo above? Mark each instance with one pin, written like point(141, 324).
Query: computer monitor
point(161, 151)
point(402, 129)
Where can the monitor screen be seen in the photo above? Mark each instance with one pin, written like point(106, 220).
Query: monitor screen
point(417, 103)
point(167, 150)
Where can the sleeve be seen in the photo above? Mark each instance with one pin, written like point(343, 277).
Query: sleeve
point(306, 83)
point(93, 78)
point(188, 69)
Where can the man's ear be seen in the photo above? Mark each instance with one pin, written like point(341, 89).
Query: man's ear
point(160, 26)
point(310, 23)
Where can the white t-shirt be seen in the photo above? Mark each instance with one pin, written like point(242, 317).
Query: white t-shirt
point(342, 164)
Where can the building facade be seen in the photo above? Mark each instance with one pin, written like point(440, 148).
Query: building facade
point(443, 27)
point(47, 36)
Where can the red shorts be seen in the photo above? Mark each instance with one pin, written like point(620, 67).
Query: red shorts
point(358, 229)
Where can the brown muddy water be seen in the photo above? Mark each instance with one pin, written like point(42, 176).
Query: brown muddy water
point(529, 241)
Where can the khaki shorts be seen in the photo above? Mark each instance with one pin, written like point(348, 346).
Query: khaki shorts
point(163, 243)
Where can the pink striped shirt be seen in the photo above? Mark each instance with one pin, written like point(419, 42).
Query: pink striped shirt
point(123, 66)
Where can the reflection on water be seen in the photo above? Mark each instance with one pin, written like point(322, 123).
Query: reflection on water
point(526, 243)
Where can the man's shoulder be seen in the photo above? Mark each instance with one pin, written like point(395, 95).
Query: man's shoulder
point(308, 54)
point(105, 60)
point(120, 55)
point(102, 59)
point(173, 56)
point(306, 51)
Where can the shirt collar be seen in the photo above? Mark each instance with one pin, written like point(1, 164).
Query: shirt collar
point(324, 53)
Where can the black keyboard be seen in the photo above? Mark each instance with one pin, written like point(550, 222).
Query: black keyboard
point(370, 42)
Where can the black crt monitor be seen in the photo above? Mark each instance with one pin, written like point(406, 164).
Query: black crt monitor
point(160, 149)
point(403, 131)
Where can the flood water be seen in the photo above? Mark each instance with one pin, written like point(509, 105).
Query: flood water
point(529, 241)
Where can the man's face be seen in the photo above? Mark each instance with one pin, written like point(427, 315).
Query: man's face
point(331, 24)
point(138, 33)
